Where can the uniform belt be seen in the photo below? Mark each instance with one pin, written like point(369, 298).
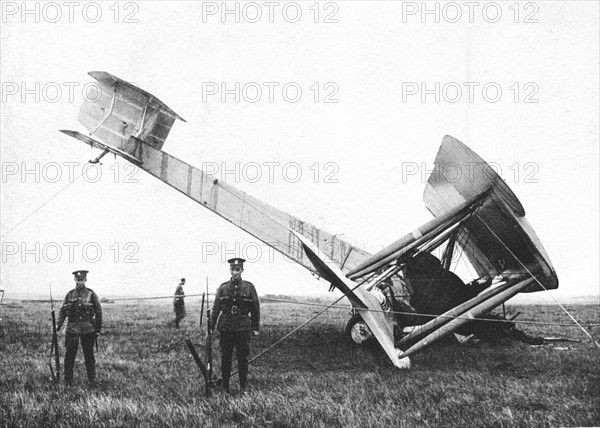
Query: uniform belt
point(236, 310)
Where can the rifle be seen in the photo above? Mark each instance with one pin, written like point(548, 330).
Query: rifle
point(199, 362)
point(208, 344)
point(201, 312)
point(203, 368)
point(54, 347)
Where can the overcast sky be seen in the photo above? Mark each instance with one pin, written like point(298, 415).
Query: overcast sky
point(380, 84)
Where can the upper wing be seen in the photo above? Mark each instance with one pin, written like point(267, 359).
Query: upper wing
point(497, 238)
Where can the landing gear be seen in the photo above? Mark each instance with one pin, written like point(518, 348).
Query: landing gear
point(358, 331)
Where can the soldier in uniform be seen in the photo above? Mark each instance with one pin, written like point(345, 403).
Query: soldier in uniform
point(237, 309)
point(178, 303)
point(83, 309)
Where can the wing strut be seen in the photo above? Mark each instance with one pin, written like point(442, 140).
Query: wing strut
point(449, 252)
point(365, 303)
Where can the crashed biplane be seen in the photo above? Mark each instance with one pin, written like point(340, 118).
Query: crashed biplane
point(403, 296)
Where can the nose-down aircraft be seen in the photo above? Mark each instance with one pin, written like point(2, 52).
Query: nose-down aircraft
point(403, 296)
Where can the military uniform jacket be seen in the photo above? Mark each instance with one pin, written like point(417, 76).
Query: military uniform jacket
point(83, 309)
point(178, 300)
point(238, 306)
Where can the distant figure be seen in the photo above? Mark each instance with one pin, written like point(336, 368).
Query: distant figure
point(83, 309)
point(178, 303)
point(234, 301)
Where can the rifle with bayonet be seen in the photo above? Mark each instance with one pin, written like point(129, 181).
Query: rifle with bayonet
point(55, 371)
point(202, 311)
point(208, 344)
point(208, 341)
point(205, 369)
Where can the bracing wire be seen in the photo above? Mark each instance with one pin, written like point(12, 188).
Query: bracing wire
point(41, 206)
point(541, 285)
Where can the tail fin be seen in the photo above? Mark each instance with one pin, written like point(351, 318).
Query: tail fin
point(120, 113)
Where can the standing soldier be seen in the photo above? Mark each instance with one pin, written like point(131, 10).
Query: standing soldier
point(83, 309)
point(234, 301)
point(178, 303)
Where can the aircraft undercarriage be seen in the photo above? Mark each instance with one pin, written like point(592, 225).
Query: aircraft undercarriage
point(424, 290)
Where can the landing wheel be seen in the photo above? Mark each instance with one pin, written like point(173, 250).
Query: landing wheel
point(358, 331)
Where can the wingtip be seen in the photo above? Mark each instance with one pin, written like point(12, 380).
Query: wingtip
point(96, 74)
point(449, 139)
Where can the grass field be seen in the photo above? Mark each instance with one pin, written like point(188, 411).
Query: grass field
point(315, 378)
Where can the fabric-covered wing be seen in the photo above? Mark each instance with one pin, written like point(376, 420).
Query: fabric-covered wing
point(497, 238)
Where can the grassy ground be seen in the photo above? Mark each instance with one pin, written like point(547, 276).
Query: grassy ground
point(315, 378)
